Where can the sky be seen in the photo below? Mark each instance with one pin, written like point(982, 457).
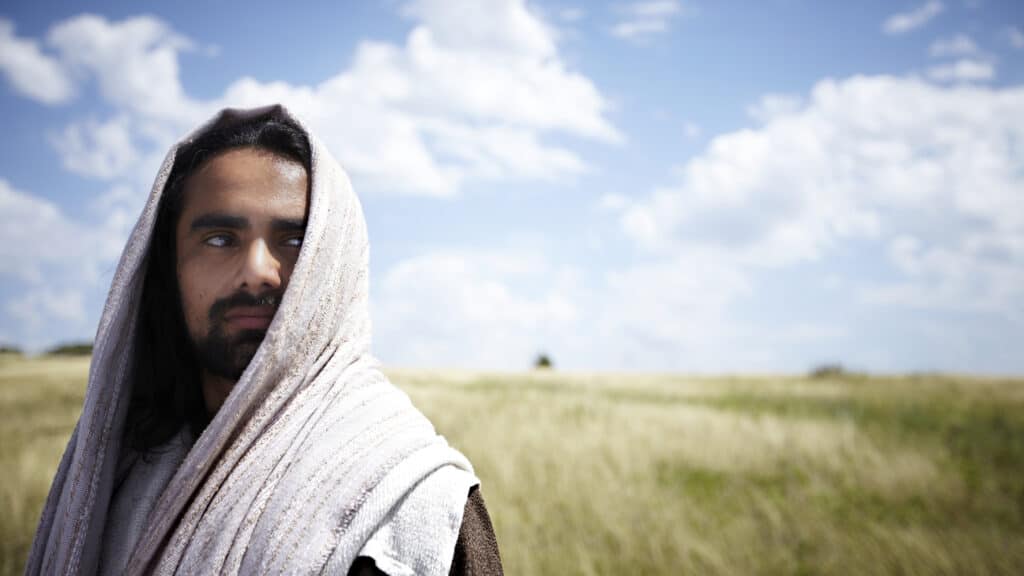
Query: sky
point(668, 185)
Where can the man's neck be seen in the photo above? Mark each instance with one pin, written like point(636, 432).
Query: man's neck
point(215, 391)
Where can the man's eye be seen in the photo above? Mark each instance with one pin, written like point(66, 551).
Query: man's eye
point(295, 242)
point(218, 240)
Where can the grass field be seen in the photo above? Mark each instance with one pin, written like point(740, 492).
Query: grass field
point(614, 474)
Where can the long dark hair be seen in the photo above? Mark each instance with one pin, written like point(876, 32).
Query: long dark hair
point(166, 391)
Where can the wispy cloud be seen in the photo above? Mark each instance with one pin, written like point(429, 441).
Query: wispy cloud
point(958, 45)
point(907, 21)
point(572, 14)
point(30, 71)
point(643, 19)
point(691, 130)
point(963, 70)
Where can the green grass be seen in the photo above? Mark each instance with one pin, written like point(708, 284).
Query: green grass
point(648, 474)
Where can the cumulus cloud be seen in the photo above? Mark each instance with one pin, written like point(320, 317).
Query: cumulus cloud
point(103, 150)
point(963, 70)
point(473, 93)
point(867, 159)
point(982, 272)
point(41, 242)
point(644, 19)
point(53, 263)
point(470, 308)
point(135, 63)
point(906, 21)
point(33, 233)
point(674, 312)
point(958, 45)
point(498, 307)
point(29, 71)
point(32, 308)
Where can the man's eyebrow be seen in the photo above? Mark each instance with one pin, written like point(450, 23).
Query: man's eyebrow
point(288, 224)
point(220, 221)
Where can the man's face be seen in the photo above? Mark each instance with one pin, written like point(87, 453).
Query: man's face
point(241, 227)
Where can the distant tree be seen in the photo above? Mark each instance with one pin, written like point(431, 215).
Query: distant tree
point(71, 349)
point(828, 370)
point(543, 362)
point(5, 349)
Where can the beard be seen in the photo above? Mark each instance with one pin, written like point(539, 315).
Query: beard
point(225, 355)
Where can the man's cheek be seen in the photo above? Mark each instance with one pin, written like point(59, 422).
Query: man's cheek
point(193, 313)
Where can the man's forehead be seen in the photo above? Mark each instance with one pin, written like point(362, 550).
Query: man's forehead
point(248, 181)
point(240, 164)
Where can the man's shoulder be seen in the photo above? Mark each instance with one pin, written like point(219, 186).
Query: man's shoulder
point(476, 549)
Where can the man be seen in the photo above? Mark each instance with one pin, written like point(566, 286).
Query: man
point(235, 421)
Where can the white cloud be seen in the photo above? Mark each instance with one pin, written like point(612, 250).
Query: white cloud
point(32, 308)
point(32, 234)
point(499, 307)
point(771, 106)
point(102, 150)
point(470, 309)
point(963, 70)
point(135, 63)
point(501, 28)
point(907, 21)
point(37, 239)
point(51, 262)
point(869, 158)
point(612, 202)
point(674, 312)
point(472, 94)
point(644, 19)
point(29, 71)
point(981, 271)
point(958, 45)
point(655, 8)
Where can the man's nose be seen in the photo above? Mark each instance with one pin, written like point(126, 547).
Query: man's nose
point(261, 269)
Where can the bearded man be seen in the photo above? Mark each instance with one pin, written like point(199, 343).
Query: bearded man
point(235, 421)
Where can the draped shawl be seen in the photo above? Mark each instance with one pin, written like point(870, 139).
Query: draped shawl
point(310, 455)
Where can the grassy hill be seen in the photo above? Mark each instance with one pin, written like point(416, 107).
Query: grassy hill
point(608, 474)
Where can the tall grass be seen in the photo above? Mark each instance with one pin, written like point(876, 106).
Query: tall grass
point(626, 474)
point(39, 405)
point(600, 474)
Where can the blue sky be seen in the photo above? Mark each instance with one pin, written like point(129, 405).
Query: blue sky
point(659, 185)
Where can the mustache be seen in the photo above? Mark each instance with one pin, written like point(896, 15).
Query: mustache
point(271, 298)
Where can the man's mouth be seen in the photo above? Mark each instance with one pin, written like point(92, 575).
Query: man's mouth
point(250, 317)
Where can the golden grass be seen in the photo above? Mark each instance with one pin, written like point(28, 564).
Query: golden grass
point(39, 404)
point(668, 474)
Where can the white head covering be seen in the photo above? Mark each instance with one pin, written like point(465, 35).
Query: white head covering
point(309, 457)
